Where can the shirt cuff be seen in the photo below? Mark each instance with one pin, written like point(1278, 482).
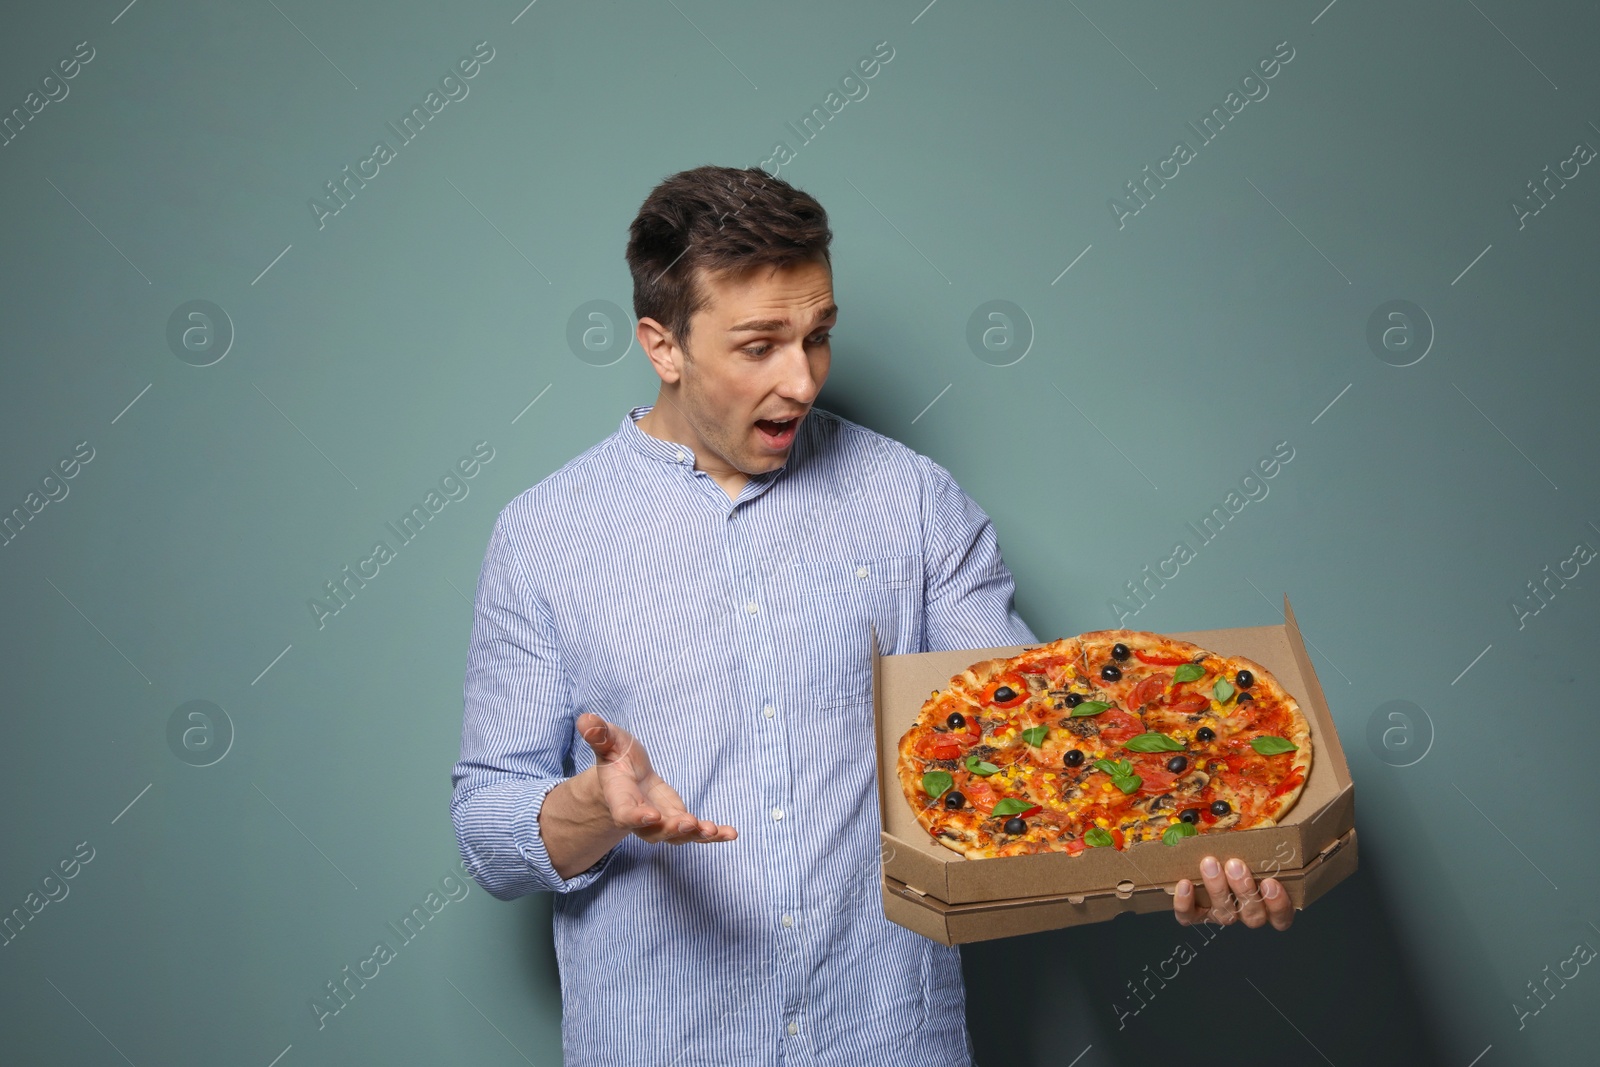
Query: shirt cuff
point(530, 842)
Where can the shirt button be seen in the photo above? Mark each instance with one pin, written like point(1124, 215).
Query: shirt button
point(861, 572)
point(678, 456)
point(788, 920)
point(777, 813)
point(751, 607)
point(794, 1027)
point(767, 711)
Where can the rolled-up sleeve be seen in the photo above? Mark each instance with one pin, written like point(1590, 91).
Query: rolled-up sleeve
point(969, 593)
point(516, 733)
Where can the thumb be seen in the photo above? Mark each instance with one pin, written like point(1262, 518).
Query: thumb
point(597, 733)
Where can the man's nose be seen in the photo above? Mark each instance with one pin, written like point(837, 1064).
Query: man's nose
point(800, 383)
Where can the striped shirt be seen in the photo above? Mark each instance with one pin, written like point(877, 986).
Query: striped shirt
point(731, 637)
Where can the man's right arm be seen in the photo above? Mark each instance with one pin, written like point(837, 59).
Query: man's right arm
point(521, 823)
point(516, 736)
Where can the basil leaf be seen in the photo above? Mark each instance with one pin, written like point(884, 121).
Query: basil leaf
point(1089, 707)
point(1222, 690)
point(1188, 672)
point(934, 783)
point(1098, 837)
point(1178, 830)
point(1128, 784)
point(1119, 769)
point(1152, 742)
point(1011, 805)
point(1269, 745)
point(983, 768)
point(1105, 765)
point(1034, 735)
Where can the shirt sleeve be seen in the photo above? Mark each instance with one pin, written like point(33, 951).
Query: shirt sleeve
point(516, 734)
point(969, 592)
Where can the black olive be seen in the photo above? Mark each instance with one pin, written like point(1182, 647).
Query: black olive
point(1220, 807)
point(956, 720)
point(1189, 815)
point(1111, 672)
point(1177, 763)
point(954, 800)
point(1073, 699)
point(1015, 825)
point(1073, 758)
point(1205, 733)
point(1245, 679)
point(1119, 651)
point(1005, 692)
point(1244, 697)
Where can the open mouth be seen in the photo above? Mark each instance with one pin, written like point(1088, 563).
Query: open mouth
point(778, 433)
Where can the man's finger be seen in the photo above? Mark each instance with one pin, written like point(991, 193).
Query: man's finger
point(596, 732)
point(1243, 884)
point(705, 833)
point(1183, 903)
point(1280, 909)
point(1217, 889)
point(673, 829)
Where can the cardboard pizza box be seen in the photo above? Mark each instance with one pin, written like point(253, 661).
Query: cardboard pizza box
point(958, 924)
point(1114, 880)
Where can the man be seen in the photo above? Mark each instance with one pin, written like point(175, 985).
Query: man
point(671, 647)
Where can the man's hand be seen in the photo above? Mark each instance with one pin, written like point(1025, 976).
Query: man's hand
point(635, 796)
point(1233, 894)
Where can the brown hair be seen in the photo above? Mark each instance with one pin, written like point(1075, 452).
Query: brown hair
point(724, 220)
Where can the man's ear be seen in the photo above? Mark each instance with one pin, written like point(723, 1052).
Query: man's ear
point(661, 349)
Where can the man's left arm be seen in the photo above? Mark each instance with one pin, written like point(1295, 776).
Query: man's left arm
point(969, 597)
point(968, 592)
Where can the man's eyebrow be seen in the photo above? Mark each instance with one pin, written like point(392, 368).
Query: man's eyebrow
point(777, 324)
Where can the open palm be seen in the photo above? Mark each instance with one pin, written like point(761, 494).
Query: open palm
point(637, 797)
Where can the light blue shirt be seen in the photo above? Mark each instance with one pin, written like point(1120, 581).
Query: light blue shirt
point(731, 637)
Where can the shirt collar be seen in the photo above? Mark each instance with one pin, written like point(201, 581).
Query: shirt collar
point(654, 447)
point(683, 456)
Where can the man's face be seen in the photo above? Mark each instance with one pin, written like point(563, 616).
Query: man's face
point(758, 355)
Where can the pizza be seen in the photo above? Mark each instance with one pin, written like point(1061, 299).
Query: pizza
point(1104, 739)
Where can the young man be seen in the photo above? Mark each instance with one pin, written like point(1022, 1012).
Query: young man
point(671, 648)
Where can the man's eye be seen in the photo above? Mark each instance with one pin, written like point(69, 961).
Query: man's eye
point(761, 349)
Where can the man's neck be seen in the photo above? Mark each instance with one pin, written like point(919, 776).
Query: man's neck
point(665, 422)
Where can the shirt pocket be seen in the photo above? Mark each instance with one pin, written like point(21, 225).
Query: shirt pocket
point(834, 577)
point(844, 600)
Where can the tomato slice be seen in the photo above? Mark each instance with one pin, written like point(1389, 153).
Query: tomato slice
point(1190, 703)
point(981, 796)
point(1018, 686)
point(1149, 689)
point(1156, 777)
point(1159, 660)
point(939, 746)
point(1288, 783)
point(1116, 838)
point(1117, 725)
point(1039, 664)
point(1075, 846)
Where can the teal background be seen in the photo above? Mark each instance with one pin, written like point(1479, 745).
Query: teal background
point(428, 314)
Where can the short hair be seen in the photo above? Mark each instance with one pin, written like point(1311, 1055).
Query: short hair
point(723, 221)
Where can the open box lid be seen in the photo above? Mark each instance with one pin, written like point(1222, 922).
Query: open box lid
point(1322, 814)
